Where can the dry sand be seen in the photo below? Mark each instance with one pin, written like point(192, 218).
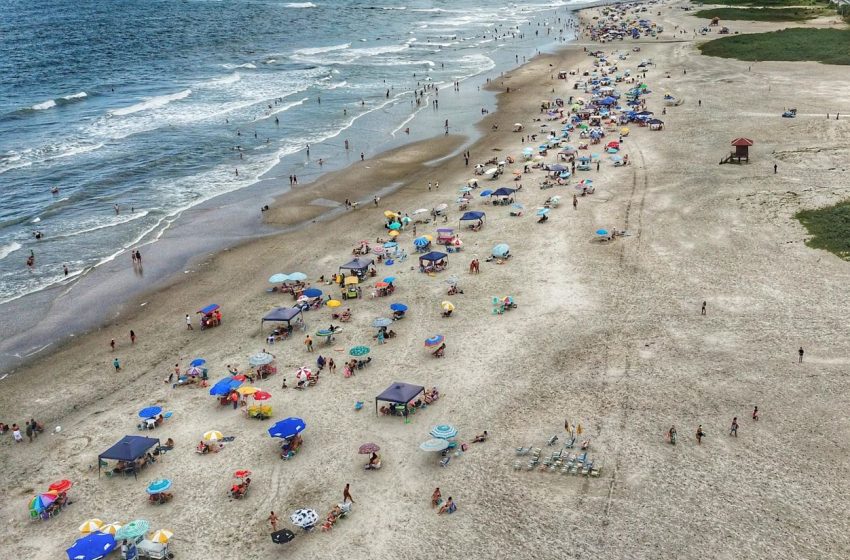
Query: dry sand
point(609, 335)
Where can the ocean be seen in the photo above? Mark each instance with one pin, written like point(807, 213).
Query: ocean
point(118, 116)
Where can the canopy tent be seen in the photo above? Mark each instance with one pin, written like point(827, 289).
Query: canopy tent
point(358, 265)
point(224, 386)
point(504, 191)
point(399, 393)
point(128, 449)
point(467, 216)
point(282, 315)
point(433, 256)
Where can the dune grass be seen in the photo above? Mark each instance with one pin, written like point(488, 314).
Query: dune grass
point(759, 14)
point(830, 46)
point(829, 228)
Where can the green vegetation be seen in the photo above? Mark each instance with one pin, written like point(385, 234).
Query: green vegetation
point(830, 46)
point(767, 14)
point(829, 228)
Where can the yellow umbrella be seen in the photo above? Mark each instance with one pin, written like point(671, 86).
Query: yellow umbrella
point(429, 238)
point(246, 390)
point(112, 528)
point(447, 306)
point(333, 303)
point(351, 280)
point(394, 233)
point(390, 214)
point(162, 536)
point(213, 435)
point(91, 526)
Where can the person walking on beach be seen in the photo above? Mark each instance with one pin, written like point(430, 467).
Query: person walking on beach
point(117, 364)
point(308, 342)
point(138, 257)
point(112, 344)
point(189, 326)
point(331, 365)
point(755, 413)
point(702, 311)
point(346, 495)
point(774, 169)
point(29, 431)
point(362, 156)
point(597, 167)
point(65, 269)
point(575, 202)
point(132, 337)
point(273, 520)
point(700, 434)
point(801, 352)
point(733, 431)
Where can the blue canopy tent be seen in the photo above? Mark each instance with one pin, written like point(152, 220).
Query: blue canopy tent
point(91, 547)
point(504, 191)
point(433, 257)
point(399, 393)
point(209, 309)
point(128, 449)
point(282, 315)
point(224, 386)
point(471, 216)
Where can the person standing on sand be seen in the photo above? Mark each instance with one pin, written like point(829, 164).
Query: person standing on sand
point(65, 269)
point(273, 520)
point(189, 326)
point(308, 342)
point(346, 495)
point(597, 167)
point(801, 352)
point(755, 413)
point(774, 169)
point(112, 344)
point(362, 156)
point(575, 202)
point(733, 431)
point(117, 364)
point(132, 337)
point(331, 365)
point(700, 434)
point(702, 311)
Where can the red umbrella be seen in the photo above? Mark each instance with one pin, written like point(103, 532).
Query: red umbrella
point(239, 377)
point(61, 486)
point(242, 474)
point(368, 448)
point(262, 396)
point(381, 285)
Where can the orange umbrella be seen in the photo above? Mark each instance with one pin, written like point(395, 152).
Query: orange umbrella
point(61, 486)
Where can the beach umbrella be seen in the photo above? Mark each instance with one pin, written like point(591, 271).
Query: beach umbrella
point(313, 292)
point(241, 378)
point(194, 372)
point(394, 233)
point(242, 473)
point(150, 412)
point(441, 207)
point(443, 431)
point(261, 396)
point(60, 486)
point(40, 502)
point(278, 278)
point(247, 390)
point(447, 306)
point(297, 276)
point(303, 373)
point(418, 211)
point(601, 232)
point(90, 526)
point(213, 435)
point(389, 214)
point(420, 242)
point(400, 307)
point(333, 303)
point(395, 225)
point(304, 518)
point(501, 250)
point(351, 280)
point(390, 245)
point(382, 322)
point(91, 547)
point(287, 428)
point(389, 279)
point(380, 285)
point(260, 359)
point(110, 529)
point(435, 340)
point(486, 192)
point(359, 351)
point(161, 536)
point(464, 190)
point(224, 386)
point(159, 486)
point(542, 211)
point(197, 362)
point(283, 536)
point(369, 448)
point(434, 445)
point(132, 530)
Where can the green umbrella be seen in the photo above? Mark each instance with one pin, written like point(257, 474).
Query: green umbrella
point(359, 351)
point(133, 530)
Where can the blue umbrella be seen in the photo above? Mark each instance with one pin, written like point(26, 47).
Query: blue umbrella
point(382, 322)
point(287, 428)
point(486, 192)
point(389, 279)
point(398, 307)
point(443, 431)
point(313, 292)
point(395, 226)
point(390, 244)
point(91, 547)
point(542, 211)
point(434, 340)
point(150, 412)
point(197, 362)
point(501, 250)
point(601, 232)
point(297, 276)
point(421, 242)
point(224, 386)
point(159, 486)
point(278, 278)
point(359, 351)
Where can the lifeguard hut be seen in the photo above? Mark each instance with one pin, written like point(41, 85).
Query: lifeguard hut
point(742, 151)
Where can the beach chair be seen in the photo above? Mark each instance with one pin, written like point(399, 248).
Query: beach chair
point(445, 461)
point(587, 466)
point(552, 440)
point(596, 469)
point(523, 450)
point(34, 515)
point(517, 465)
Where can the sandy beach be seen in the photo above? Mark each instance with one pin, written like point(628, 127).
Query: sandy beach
point(606, 335)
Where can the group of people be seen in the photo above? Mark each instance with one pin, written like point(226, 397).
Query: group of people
point(31, 429)
point(290, 447)
point(672, 434)
point(437, 501)
point(239, 489)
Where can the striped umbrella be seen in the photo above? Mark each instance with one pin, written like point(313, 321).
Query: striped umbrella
point(434, 445)
point(159, 486)
point(213, 435)
point(91, 526)
point(443, 431)
point(40, 502)
point(110, 529)
point(132, 530)
point(162, 536)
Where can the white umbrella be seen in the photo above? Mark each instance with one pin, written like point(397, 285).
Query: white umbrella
point(304, 518)
point(419, 211)
point(260, 359)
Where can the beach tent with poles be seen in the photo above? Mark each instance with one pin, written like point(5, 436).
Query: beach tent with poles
point(128, 449)
point(358, 266)
point(282, 315)
point(399, 393)
point(472, 216)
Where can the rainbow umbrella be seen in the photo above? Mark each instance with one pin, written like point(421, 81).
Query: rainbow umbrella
point(40, 502)
point(435, 340)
